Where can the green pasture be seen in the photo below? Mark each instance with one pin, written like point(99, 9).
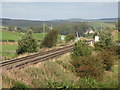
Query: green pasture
point(6, 35)
point(9, 51)
point(9, 36)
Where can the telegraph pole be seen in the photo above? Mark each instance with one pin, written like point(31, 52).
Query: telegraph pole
point(101, 26)
point(43, 29)
point(51, 27)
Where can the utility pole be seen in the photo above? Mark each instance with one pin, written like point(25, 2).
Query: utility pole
point(43, 29)
point(51, 27)
point(101, 27)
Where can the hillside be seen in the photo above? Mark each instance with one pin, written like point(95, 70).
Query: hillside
point(27, 23)
point(55, 73)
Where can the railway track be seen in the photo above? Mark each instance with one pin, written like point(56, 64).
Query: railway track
point(35, 58)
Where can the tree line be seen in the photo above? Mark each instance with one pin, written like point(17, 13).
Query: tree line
point(63, 28)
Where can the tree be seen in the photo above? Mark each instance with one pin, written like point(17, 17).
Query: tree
point(11, 28)
point(50, 39)
point(81, 49)
point(27, 44)
point(70, 37)
point(105, 40)
point(84, 63)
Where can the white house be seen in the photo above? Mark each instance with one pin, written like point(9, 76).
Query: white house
point(89, 31)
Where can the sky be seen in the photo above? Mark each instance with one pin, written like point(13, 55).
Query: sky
point(59, 10)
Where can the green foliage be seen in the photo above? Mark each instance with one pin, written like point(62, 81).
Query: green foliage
point(20, 86)
point(95, 34)
point(81, 49)
point(62, 84)
point(93, 83)
point(87, 83)
point(27, 44)
point(84, 63)
point(11, 28)
point(99, 46)
point(90, 66)
point(39, 29)
point(50, 39)
point(70, 37)
point(105, 40)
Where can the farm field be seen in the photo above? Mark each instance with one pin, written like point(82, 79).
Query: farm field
point(9, 36)
point(9, 51)
point(6, 35)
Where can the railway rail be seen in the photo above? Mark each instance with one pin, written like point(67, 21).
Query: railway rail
point(35, 58)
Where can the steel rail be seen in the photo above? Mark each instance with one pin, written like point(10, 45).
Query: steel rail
point(34, 55)
point(35, 58)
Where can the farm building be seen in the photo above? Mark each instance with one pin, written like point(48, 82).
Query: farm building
point(89, 31)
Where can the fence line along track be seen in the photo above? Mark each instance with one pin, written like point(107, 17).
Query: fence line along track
point(35, 58)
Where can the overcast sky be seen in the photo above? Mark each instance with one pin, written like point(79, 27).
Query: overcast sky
point(59, 10)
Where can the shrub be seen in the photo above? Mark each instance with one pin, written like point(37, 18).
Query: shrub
point(80, 49)
point(50, 39)
point(20, 86)
point(61, 84)
point(69, 37)
point(99, 46)
point(90, 66)
point(93, 83)
point(27, 44)
point(88, 83)
point(106, 40)
point(108, 58)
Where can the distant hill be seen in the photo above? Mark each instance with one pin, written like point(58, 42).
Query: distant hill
point(27, 23)
point(107, 19)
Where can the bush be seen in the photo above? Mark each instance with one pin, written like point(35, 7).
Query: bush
point(50, 39)
point(105, 42)
point(61, 84)
point(20, 86)
point(108, 59)
point(90, 66)
point(99, 46)
point(27, 44)
point(88, 83)
point(69, 37)
point(80, 49)
point(93, 83)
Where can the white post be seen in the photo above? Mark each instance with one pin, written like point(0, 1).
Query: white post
point(77, 36)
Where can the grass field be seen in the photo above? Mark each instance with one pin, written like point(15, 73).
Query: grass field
point(9, 51)
point(6, 35)
point(9, 36)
